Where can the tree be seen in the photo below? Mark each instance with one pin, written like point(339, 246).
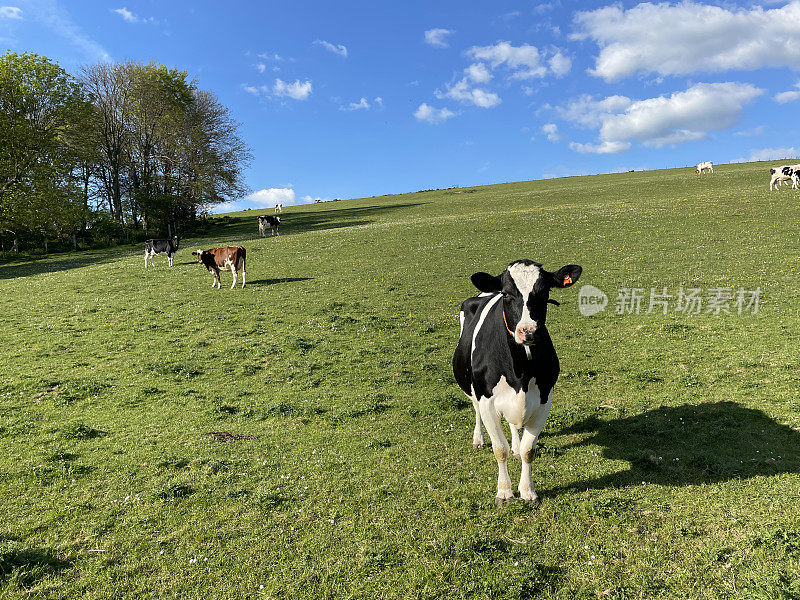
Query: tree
point(105, 84)
point(39, 107)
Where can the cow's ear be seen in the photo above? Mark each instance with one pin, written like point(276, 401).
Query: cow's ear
point(486, 283)
point(566, 276)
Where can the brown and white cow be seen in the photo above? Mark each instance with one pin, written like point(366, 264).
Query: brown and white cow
point(230, 257)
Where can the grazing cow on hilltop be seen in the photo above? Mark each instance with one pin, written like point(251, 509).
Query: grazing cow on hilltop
point(784, 173)
point(704, 166)
point(231, 257)
point(505, 361)
point(278, 208)
point(270, 222)
point(153, 247)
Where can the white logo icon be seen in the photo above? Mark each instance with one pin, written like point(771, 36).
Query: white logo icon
point(591, 300)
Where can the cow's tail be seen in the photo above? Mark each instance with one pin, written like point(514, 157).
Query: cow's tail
point(241, 265)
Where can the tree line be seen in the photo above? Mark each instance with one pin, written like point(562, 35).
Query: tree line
point(119, 151)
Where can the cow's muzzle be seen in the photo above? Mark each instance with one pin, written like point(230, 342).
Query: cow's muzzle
point(525, 334)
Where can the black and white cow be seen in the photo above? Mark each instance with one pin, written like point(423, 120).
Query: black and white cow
point(505, 361)
point(153, 247)
point(270, 222)
point(784, 173)
point(703, 167)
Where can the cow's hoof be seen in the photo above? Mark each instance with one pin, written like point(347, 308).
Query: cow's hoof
point(503, 497)
point(530, 497)
point(477, 445)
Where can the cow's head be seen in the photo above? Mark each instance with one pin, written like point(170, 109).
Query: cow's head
point(199, 255)
point(175, 240)
point(526, 286)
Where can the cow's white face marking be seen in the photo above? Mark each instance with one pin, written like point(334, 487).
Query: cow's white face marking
point(525, 277)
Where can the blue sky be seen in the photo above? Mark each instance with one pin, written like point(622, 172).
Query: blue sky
point(352, 99)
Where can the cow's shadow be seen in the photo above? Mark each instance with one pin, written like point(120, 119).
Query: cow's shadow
point(688, 445)
point(30, 565)
point(259, 282)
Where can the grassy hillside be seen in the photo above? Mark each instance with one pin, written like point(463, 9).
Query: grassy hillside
point(668, 468)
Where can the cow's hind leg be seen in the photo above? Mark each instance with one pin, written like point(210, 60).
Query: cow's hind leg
point(514, 440)
point(491, 420)
point(234, 272)
point(477, 433)
point(527, 448)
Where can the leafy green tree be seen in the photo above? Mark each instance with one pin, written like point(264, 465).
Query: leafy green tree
point(40, 105)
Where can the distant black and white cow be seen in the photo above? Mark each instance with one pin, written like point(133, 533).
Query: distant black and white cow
point(153, 247)
point(506, 364)
point(278, 208)
point(268, 222)
point(704, 166)
point(784, 173)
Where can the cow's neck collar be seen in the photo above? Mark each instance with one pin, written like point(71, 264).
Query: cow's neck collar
point(528, 353)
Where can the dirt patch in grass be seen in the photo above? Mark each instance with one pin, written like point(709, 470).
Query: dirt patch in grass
point(226, 437)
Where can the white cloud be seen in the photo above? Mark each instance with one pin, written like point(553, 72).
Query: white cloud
point(478, 73)
point(126, 14)
point(435, 37)
point(688, 37)
point(525, 61)
point(560, 65)
point(666, 120)
point(790, 96)
point(755, 131)
point(251, 89)
point(272, 56)
point(364, 104)
point(272, 196)
point(768, 154)
point(309, 199)
point(462, 92)
point(335, 48)
point(53, 16)
point(587, 112)
point(266, 198)
point(130, 17)
point(602, 148)
point(551, 131)
point(297, 90)
point(682, 116)
point(785, 97)
point(430, 114)
point(10, 12)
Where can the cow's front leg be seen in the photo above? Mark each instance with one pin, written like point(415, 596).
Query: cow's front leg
point(527, 448)
point(477, 433)
point(234, 273)
point(491, 420)
point(170, 257)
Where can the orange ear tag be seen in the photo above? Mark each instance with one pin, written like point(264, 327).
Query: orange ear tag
point(567, 280)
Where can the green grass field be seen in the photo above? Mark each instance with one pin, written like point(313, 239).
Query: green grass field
point(669, 467)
